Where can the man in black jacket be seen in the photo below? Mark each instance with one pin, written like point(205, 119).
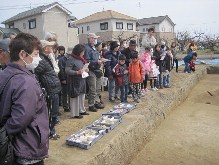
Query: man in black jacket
point(63, 77)
point(50, 81)
point(128, 53)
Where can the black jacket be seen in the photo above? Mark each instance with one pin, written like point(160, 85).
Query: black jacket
point(157, 57)
point(47, 76)
point(62, 63)
point(128, 54)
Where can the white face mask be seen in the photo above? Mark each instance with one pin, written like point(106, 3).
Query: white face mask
point(33, 64)
point(95, 41)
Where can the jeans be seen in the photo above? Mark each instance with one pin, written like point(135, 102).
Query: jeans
point(187, 68)
point(112, 86)
point(54, 98)
point(159, 82)
point(166, 80)
point(124, 93)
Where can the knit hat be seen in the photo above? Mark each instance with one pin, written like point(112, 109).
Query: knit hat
point(98, 43)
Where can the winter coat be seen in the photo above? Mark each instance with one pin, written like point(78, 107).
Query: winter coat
point(47, 76)
point(24, 110)
point(145, 58)
point(188, 58)
point(121, 77)
point(76, 84)
point(157, 56)
point(91, 54)
point(136, 72)
point(167, 63)
point(154, 70)
point(148, 41)
point(109, 65)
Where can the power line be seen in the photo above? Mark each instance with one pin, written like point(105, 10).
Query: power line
point(61, 2)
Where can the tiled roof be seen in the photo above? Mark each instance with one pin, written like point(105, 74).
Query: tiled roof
point(34, 11)
point(154, 20)
point(109, 14)
point(9, 30)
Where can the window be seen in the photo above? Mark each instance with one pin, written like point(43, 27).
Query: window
point(163, 29)
point(24, 25)
point(119, 25)
point(11, 25)
point(82, 30)
point(130, 26)
point(32, 24)
point(144, 30)
point(88, 28)
point(104, 26)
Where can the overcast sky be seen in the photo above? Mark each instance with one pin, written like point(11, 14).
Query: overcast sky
point(190, 15)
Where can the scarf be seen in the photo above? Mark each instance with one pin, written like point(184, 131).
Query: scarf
point(79, 58)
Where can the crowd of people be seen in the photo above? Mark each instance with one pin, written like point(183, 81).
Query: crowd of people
point(38, 76)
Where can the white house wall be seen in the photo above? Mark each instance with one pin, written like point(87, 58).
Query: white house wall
point(55, 20)
point(165, 26)
point(38, 31)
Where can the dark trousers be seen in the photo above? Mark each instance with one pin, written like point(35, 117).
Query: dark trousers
point(175, 60)
point(65, 96)
point(124, 93)
point(144, 84)
point(153, 84)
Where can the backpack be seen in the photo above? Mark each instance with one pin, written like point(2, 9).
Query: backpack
point(6, 147)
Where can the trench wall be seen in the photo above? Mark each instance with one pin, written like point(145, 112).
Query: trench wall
point(126, 140)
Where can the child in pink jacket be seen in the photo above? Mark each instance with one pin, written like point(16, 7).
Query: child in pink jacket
point(145, 58)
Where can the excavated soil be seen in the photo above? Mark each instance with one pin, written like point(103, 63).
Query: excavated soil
point(190, 134)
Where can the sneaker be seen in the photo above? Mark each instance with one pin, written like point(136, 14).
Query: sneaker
point(129, 95)
point(146, 90)
point(99, 105)
point(143, 91)
point(84, 113)
point(112, 99)
point(142, 94)
point(156, 88)
point(137, 100)
point(153, 89)
point(117, 98)
point(92, 108)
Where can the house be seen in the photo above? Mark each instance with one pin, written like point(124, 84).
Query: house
point(109, 25)
point(49, 18)
point(163, 28)
point(5, 32)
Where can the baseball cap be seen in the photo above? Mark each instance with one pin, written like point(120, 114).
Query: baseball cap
point(92, 35)
point(45, 43)
point(4, 44)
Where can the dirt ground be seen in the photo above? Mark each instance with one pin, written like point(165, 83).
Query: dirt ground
point(60, 153)
point(190, 134)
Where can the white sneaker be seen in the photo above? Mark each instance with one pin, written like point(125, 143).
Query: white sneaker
point(153, 89)
point(156, 88)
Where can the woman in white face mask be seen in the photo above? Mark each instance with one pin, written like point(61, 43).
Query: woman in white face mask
point(35, 60)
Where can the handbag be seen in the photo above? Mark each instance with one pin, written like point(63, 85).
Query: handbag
point(6, 147)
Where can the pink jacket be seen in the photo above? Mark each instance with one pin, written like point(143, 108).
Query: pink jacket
point(145, 58)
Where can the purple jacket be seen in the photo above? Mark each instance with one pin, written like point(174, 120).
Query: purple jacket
point(23, 108)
